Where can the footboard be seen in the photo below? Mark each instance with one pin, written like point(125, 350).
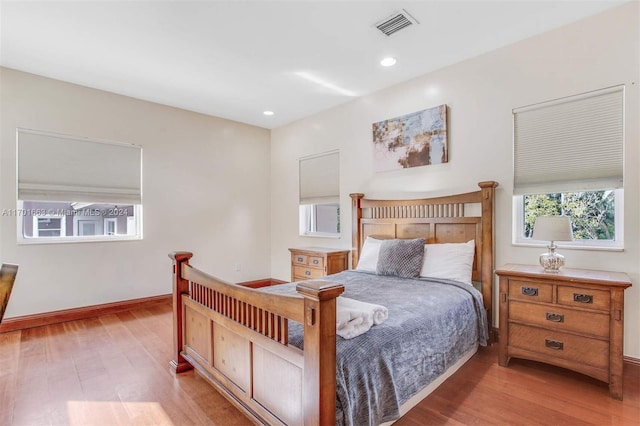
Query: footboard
point(237, 338)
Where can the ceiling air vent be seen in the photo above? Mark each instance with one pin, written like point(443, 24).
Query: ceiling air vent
point(396, 22)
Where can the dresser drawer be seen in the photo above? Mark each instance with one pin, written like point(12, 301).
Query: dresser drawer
point(560, 318)
point(530, 291)
point(306, 272)
point(306, 260)
point(316, 262)
point(299, 259)
point(584, 298)
point(556, 344)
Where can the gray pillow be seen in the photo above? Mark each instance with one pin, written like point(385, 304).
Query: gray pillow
point(402, 258)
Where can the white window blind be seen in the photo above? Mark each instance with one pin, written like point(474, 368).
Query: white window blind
point(571, 144)
point(320, 179)
point(54, 167)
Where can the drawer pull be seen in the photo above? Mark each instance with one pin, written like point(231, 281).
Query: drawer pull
point(582, 298)
point(316, 261)
point(554, 344)
point(300, 259)
point(529, 291)
point(555, 317)
point(307, 272)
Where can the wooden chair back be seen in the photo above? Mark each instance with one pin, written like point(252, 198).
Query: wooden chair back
point(8, 274)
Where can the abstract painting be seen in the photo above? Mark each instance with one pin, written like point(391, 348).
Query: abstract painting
point(412, 140)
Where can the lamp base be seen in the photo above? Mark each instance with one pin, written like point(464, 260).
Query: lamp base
point(552, 261)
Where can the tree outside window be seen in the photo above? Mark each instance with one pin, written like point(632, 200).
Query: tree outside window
point(592, 213)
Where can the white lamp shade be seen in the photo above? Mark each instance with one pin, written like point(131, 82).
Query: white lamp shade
point(552, 228)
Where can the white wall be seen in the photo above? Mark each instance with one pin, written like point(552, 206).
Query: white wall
point(598, 52)
point(205, 189)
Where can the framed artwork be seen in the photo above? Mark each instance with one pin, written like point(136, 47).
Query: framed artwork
point(412, 140)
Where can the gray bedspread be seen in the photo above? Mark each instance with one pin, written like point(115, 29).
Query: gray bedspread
point(432, 323)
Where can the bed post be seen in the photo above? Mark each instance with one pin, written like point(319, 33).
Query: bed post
point(356, 215)
point(319, 376)
point(180, 286)
point(488, 196)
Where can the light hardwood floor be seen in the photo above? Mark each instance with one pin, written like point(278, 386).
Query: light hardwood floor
point(113, 370)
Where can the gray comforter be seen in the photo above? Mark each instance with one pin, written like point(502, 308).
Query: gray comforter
point(432, 323)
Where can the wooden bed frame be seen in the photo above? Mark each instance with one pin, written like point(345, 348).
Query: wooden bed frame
point(237, 337)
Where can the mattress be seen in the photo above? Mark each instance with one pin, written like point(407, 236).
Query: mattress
point(432, 325)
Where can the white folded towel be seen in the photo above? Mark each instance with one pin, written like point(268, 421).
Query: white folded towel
point(354, 318)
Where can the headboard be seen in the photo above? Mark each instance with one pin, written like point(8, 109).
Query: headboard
point(437, 220)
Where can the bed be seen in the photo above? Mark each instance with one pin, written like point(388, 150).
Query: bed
point(275, 354)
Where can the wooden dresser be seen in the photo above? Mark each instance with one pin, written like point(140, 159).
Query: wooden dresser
point(314, 262)
point(572, 319)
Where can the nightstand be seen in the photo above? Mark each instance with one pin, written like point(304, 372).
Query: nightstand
point(314, 262)
point(572, 319)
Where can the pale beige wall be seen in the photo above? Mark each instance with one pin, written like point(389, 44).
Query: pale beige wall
point(205, 189)
point(598, 52)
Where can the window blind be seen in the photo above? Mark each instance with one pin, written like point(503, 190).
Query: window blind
point(571, 144)
point(54, 167)
point(320, 179)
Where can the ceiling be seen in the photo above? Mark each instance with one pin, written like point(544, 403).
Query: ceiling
point(236, 59)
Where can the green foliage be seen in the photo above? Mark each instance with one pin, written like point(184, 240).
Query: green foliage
point(591, 213)
point(539, 205)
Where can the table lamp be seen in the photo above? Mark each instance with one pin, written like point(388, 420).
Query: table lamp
point(552, 228)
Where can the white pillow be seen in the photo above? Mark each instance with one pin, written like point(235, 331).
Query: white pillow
point(453, 261)
point(368, 261)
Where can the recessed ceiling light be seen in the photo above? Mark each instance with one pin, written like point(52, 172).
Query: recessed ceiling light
point(388, 62)
point(268, 113)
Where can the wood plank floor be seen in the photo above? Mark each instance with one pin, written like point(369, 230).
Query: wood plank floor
point(113, 370)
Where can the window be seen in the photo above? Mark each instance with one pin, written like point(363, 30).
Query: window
point(76, 189)
point(87, 227)
point(595, 216)
point(49, 226)
point(568, 159)
point(110, 226)
point(320, 219)
point(320, 195)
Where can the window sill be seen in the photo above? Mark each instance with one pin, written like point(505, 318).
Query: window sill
point(320, 235)
point(74, 240)
point(569, 247)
